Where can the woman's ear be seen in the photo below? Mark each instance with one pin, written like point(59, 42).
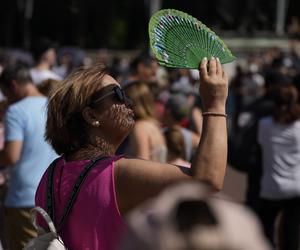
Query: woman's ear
point(89, 116)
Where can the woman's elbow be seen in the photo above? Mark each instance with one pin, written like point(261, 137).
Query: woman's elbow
point(217, 186)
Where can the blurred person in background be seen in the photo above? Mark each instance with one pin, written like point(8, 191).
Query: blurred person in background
point(44, 53)
point(146, 140)
point(279, 138)
point(194, 119)
point(176, 147)
point(244, 149)
point(293, 31)
point(176, 113)
point(89, 116)
point(65, 65)
point(143, 68)
point(251, 85)
point(235, 94)
point(3, 170)
point(187, 217)
point(183, 78)
point(293, 28)
point(25, 151)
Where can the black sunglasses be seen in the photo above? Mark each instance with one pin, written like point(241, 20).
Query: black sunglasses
point(118, 93)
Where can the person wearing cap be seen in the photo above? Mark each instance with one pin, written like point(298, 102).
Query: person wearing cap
point(44, 53)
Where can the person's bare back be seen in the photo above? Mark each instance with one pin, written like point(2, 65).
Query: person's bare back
point(148, 141)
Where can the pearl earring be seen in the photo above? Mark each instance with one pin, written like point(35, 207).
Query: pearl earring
point(96, 123)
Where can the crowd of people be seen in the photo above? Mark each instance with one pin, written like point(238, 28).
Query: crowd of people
point(151, 127)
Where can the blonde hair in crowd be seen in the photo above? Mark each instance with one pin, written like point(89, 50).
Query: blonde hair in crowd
point(175, 142)
point(142, 98)
point(65, 127)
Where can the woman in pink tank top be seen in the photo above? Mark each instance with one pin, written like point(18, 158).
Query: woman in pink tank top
point(89, 116)
point(95, 221)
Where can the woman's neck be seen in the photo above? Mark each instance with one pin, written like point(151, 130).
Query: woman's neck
point(91, 151)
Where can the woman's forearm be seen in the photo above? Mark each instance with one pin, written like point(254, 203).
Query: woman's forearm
point(210, 160)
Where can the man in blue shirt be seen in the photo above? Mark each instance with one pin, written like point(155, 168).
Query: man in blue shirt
point(25, 151)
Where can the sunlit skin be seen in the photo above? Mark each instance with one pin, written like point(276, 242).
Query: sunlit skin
point(112, 116)
point(120, 114)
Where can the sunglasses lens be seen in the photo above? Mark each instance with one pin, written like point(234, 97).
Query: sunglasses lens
point(119, 94)
point(122, 97)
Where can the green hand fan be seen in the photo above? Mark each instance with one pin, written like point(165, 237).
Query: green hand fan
point(181, 41)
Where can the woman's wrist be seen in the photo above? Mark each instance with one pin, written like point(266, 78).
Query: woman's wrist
point(215, 109)
point(220, 114)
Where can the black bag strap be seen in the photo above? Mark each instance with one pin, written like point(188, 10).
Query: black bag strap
point(49, 191)
point(74, 193)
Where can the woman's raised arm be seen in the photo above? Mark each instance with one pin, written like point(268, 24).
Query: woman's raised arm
point(137, 180)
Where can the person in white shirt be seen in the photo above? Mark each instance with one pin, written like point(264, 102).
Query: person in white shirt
point(279, 138)
point(45, 55)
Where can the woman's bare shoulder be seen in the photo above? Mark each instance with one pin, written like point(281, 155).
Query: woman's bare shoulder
point(146, 126)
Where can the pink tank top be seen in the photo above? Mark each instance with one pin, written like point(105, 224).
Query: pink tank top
point(94, 221)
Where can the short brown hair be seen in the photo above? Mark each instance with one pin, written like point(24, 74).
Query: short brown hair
point(143, 100)
point(66, 128)
point(48, 86)
point(18, 72)
point(287, 109)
